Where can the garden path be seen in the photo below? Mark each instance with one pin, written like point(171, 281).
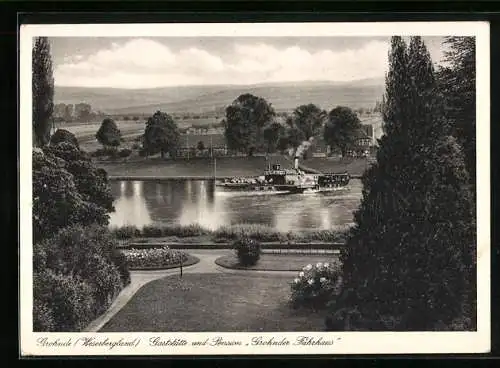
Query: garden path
point(140, 278)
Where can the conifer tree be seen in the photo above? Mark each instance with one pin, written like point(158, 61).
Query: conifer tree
point(409, 259)
point(42, 91)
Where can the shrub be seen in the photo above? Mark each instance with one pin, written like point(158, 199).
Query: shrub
point(125, 152)
point(136, 146)
point(104, 152)
point(247, 251)
point(84, 263)
point(253, 231)
point(152, 231)
point(108, 133)
point(62, 135)
point(64, 195)
point(65, 302)
point(126, 232)
point(315, 285)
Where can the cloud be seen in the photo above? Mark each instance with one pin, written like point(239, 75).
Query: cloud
point(143, 63)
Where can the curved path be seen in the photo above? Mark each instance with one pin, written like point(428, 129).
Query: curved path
point(140, 278)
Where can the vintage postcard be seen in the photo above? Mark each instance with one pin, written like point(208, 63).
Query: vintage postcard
point(254, 188)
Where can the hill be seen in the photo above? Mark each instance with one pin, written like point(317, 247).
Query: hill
point(206, 99)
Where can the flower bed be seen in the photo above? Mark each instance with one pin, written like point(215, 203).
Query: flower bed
point(315, 285)
point(156, 258)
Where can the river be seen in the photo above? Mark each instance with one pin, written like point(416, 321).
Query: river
point(187, 202)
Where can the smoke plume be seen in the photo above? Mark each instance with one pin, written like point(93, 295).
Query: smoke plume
point(303, 147)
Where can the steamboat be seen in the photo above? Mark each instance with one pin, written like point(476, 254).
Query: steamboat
point(281, 180)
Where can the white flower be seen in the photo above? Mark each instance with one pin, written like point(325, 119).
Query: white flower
point(326, 265)
point(319, 264)
point(308, 267)
point(301, 274)
point(310, 281)
point(322, 279)
point(296, 281)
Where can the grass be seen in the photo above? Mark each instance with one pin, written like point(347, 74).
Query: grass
point(229, 233)
point(214, 303)
point(271, 262)
point(224, 166)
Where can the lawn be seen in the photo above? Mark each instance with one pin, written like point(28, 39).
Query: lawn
point(214, 303)
point(225, 166)
point(272, 262)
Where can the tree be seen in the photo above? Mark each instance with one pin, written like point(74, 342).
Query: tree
point(458, 86)
point(272, 134)
point(62, 135)
point(309, 119)
point(341, 129)
point(409, 260)
point(200, 146)
point(109, 134)
point(43, 91)
point(161, 135)
point(244, 121)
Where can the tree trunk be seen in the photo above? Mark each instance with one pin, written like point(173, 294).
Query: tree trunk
point(162, 153)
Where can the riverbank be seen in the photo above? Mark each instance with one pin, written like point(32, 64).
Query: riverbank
point(205, 168)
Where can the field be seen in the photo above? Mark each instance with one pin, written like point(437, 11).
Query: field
point(203, 99)
point(85, 132)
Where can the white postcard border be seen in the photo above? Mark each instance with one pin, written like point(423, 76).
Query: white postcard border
point(342, 342)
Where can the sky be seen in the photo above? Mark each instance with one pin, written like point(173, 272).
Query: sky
point(151, 62)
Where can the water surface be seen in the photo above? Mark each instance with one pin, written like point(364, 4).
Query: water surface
point(187, 202)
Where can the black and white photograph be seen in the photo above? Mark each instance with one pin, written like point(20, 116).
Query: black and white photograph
point(254, 188)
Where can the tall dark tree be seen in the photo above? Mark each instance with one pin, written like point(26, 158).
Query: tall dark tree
point(409, 263)
point(161, 135)
point(309, 119)
point(458, 86)
point(108, 133)
point(342, 128)
point(244, 122)
point(43, 91)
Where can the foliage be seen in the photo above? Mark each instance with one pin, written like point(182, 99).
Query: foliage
point(125, 152)
point(153, 257)
point(410, 255)
point(108, 133)
point(161, 134)
point(200, 146)
point(342, 128)
point(247, 251)
point(57, 202)
point(105, 151)
point(254, 231)
point(43, 91)
point(62, 135)
point(458, 87)
point(91, 182)
point(309, 119)
point(244, 121)
point(315, 285)
point(61, 303)
point(77, 274)
point(271, 134)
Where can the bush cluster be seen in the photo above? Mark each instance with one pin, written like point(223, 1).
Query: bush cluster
point(77, 274)
point(315, 285)
point(248, 251)
point(154, 231)
point(153, 257)
point(125, 152)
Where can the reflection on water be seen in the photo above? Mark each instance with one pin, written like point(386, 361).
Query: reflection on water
point(187, 202)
